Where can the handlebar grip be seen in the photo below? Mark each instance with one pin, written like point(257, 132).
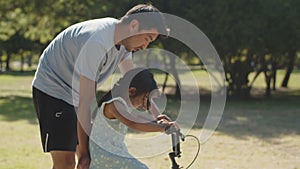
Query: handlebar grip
point(170, 129)
point(176, 144)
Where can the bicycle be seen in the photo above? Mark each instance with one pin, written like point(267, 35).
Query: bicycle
point(176, 137)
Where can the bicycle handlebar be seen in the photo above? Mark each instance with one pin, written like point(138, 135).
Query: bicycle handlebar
point(176, 136)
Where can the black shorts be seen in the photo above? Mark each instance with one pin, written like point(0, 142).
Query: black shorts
point(58, 122)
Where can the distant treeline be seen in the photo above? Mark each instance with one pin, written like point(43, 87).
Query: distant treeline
point(249, 35)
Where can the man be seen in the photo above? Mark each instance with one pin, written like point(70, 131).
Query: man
point(71, 68)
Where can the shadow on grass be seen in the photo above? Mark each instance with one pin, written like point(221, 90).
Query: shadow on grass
point(264, 118)
point(261, 117)
point(14, 108)
point(19, 73)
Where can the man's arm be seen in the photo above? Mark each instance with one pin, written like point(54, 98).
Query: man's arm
point(87, 94)
point(126, 65)
point(153, 109)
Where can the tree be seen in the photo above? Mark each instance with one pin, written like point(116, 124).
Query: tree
point(250, 36)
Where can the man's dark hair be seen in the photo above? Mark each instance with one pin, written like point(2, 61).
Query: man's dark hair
point(148, 16)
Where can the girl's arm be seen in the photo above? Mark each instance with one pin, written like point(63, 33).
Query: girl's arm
point(117, 110)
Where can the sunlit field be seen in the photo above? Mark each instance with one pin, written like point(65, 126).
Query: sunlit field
point(255, 133)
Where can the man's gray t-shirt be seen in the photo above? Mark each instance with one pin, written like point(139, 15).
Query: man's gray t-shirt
point(87, 49)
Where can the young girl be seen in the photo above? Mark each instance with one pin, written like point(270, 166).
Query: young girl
point(107, 148)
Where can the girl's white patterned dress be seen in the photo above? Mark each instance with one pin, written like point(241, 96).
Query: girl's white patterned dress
point(107, 147)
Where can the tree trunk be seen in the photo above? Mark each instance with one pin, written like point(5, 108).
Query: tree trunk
point(1, 65)
point(7, 62)
point(289, 69)
point(274, 74)
point(22, 63)
point(166, 74)
point(255, 77)
point(175, 74)
point(165, 82)
point(29, 61)
point(268, 82)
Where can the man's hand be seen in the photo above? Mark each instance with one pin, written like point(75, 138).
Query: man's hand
point(163, 117)
point(173, 127)
point(84, 159)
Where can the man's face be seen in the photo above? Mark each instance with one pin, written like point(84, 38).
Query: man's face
point(140, 40)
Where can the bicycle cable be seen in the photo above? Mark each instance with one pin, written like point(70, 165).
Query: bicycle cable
point(198, 142)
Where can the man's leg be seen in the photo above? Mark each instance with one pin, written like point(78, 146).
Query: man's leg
point(58, 129)
point(63, 159)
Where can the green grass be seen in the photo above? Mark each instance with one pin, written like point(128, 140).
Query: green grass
point(254, 133)
point(20, 145)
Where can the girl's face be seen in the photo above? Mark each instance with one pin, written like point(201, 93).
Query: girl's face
point(140, 101)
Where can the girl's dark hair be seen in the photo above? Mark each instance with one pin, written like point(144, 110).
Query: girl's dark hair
point(148, 16)
point(140, 78)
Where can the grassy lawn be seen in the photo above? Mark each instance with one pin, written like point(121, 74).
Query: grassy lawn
point(253, 133)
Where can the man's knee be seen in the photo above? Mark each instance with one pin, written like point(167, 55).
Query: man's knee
point(63, 159)
point(64, 164)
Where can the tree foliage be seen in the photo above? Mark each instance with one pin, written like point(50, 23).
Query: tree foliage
point(249, 35)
